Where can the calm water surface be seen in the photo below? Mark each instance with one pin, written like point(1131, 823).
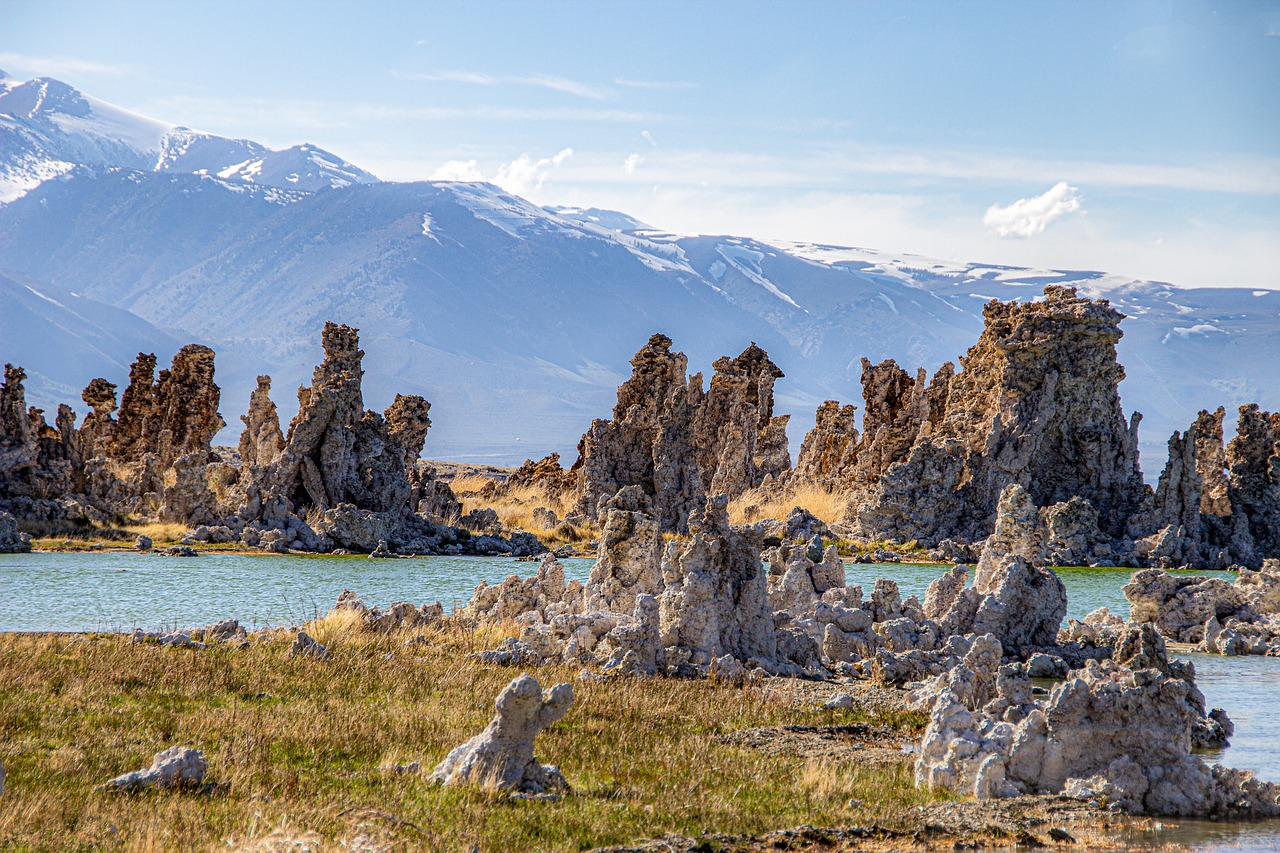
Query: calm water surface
point(118, 591)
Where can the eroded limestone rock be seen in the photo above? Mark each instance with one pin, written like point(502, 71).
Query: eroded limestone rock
point(1035, 403)
point(715, 597)
point(538, 599)
point(176, 767)
point(502, 755)
point(629, 562)
point(261, 442)
point(679, 443)
point(1107, 731)
point(306, 646)
point(11, 541)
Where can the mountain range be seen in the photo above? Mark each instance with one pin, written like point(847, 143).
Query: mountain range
point(119, 233)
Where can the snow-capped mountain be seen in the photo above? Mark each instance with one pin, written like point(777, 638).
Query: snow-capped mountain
point(517, 321)
point(47, 127)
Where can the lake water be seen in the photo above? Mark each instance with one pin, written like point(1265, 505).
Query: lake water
point(120, 591)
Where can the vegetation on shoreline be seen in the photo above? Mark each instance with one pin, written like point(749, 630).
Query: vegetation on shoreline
point(309, 745)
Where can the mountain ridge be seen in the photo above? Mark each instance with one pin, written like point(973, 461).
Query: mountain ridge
point(517, 321)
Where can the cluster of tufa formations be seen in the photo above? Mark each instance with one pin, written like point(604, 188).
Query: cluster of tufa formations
point(1023, 458)
point(1035, 404)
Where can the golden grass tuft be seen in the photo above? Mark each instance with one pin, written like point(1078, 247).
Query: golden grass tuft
point(828, 505)
point(159, 532)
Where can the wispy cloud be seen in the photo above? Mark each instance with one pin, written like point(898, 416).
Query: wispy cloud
point(58, 66)
point(632, 163)
point(458, 170)
point(544, 81)
point(1028, 217)
point(238, 116)
point(525, 174)
point(667, 85)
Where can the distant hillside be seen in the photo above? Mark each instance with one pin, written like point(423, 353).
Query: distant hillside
point(517, 321)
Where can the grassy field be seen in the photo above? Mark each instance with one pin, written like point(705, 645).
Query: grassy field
point(301, 753)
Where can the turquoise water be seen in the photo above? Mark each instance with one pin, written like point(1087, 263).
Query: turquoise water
point(120, 591)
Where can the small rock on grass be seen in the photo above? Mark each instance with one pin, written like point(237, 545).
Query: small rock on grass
point(176, 767)
point(306, 646)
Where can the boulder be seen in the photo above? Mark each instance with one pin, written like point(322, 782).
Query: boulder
point(176, 767)
point(11, 541)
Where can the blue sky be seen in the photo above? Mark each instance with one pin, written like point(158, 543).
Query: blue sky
point(1141, 138)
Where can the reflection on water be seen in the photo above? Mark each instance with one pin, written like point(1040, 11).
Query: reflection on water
point(118, 591)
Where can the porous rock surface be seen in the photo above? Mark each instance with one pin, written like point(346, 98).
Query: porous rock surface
point(11, 541)
point(1107, 732)
point(1222, 617)
point(112, 467)
point(679, 443)
point(1014, 596)
point(502, 755)
point(1035, 403)
point(176, 767)
point(629, 561)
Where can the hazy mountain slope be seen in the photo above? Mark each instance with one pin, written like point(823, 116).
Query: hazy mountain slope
point(517, 321)
point(63, 340)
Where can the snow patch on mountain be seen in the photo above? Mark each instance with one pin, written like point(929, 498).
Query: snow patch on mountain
point(46, 124)
point(747, 261)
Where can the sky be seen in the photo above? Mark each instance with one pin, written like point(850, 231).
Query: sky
point(1139, 138)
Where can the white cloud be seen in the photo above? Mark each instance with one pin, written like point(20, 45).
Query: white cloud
point(57, 66)
point(632, 162)
point(458, 170)
point(544, 81)
point(648, 137)
point(524, 174)
point(1028, 217)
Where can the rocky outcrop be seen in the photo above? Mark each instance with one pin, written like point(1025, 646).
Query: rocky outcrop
point(829, 453)
point(11, 541)
point(1214, 507)
point(797, 581)
point(306, 646)
point(1034, 403)
point(545, 476)
point(335, 451)
point(111, 468)
point(629, 561)
point(679, 443)
point(261, 442)
point(407, 425)
point(738, 440)
point(502, 755)
point(536, 600)
point(1013, 597)
point(350, 478)
point(397, 615)
point(1253, 459)
point(647, 442)
point(1109, 732)
point(1071, 535)
point(715, 597)
point(176, 767)
point(1223, 618)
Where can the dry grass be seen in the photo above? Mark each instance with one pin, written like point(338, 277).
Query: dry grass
point(825, 504)
point(159, 532)
point(301, 749)
point(515, 509)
